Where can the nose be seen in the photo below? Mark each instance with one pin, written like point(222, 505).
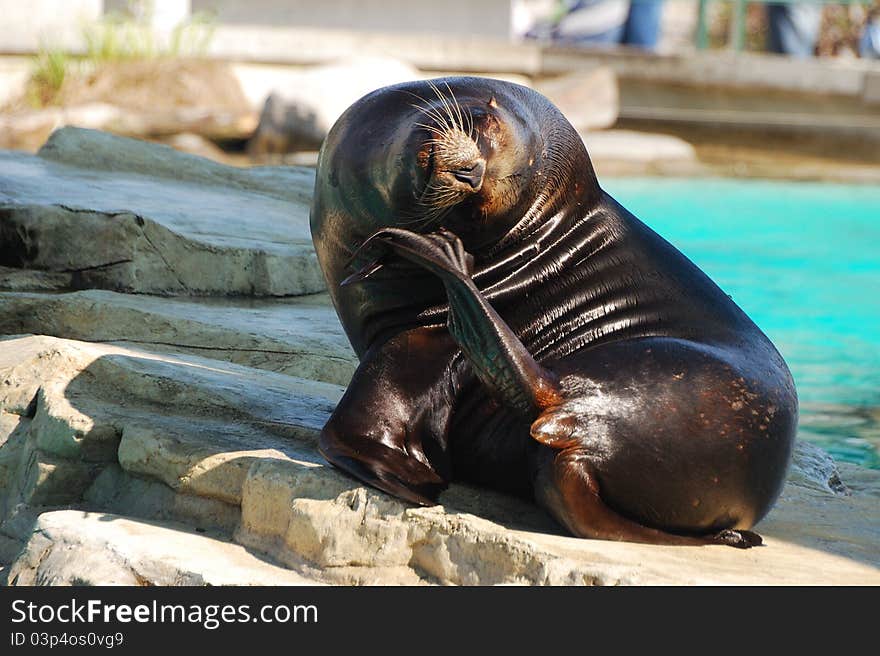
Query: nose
point(472, 175)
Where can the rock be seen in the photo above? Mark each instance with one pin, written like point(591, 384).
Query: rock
point(150, 428)
point(637, 146)
point(92, 149)
point(231, 450)
point(358, 535)
point(815, 469)
point(139, 98)
point(189, 142)
point(30, 280)
point(29, 129)
point(589, 99)
point(71, 547)
point(299, 115)
point(296, 336)
point(116, 491)
point(627, 152)
point(77, 413)
point(94, 210)
point(302, 158)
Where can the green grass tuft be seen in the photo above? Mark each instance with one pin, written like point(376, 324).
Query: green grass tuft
point(113, 39)
point(50, 69)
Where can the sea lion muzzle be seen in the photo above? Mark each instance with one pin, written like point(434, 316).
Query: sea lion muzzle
point(471, 175)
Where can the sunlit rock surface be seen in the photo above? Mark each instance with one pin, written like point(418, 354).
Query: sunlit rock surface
point(91, 210)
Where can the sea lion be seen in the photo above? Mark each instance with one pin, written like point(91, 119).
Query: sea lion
point(518, 328)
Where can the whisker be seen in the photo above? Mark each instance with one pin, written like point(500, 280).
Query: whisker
point(445, 102)
point(435, 115)
point(448, 119)
point(457, 106)
point(431, 128)
point(431, 113)
point(440, 216)
point(426, 109)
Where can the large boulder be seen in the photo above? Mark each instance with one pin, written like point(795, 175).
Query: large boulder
point(298, 115)
point(589, 98)
point(299, 336)
point(72, 547)
point(94, 210)
point(151, 98)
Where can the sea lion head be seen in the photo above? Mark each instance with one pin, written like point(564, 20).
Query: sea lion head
point(489, 155)
point(483, 158)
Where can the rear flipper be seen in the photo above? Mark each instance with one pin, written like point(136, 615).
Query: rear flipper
point(566, 485)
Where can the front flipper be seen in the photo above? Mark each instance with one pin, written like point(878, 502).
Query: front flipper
point(387, 469)
point(497, 355)
point(388, 430)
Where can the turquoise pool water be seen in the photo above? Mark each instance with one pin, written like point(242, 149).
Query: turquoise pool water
point(803, 260)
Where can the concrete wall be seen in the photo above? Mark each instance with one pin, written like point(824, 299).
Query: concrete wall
point(31, 25)
point(163, 14)
point(28, 25)
point(489, 17)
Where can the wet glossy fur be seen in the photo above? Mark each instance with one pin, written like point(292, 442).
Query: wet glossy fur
point(672, 414)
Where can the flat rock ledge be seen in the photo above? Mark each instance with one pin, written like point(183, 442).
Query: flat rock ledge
point(166, 366)
point(92, 210)
point(123, 465)
point(299, 336)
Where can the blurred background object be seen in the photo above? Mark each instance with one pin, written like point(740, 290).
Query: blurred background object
point(793, 29)
point(263, 80)
point(600, 22)
point(869, 43)
point(298, 115)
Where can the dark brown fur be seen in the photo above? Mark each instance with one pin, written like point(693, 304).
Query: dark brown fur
point(535, 336)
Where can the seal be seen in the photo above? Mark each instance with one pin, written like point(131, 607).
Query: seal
point(518, 328)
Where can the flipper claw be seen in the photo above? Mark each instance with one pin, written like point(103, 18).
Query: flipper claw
point(740, 539)
point(362, 273)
